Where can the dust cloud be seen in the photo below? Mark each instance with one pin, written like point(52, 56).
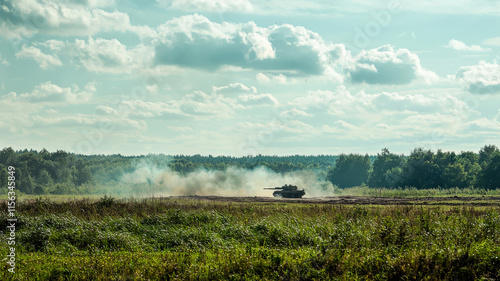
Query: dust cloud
point(233, 181)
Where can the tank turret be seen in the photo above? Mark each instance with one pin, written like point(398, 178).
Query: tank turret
point(287, 191)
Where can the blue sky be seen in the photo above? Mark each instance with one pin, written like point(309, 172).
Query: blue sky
point(246, 77)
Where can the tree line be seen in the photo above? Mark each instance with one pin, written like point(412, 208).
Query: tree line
point(421, 169)
point(60, 172)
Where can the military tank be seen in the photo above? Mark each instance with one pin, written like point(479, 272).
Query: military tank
point(287, 191)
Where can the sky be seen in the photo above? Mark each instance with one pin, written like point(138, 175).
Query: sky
point(241, 77)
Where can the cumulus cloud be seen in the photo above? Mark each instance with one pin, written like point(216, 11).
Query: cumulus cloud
point(60, 17)
point(365, 116)
point(51, 93)
point(386, 65)
point(295, 112)
point(322, 101)
point(270, 78)
point(220, 6)
point(324, 7)
point(260, 99)
point(110, 56)
point(234, 88)
point(197, 105)
point(15, 114)
point(91, 3)
point(18, 110)
point(342, 102)
point(223, 102)
point(95, 55)
point(44, 60)
point(105, 110)
point(461, 46)
point(483, 78)
point(86, 121)
point(139, 108)
point(26, 17)
point(194, 41)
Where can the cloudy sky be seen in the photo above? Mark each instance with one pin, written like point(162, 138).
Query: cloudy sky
point(241, 77)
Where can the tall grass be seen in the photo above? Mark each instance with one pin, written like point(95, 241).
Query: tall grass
point(192, 240)
point(414, 192)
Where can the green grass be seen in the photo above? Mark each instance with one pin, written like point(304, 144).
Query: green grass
point(181, 239)
point(413, 192)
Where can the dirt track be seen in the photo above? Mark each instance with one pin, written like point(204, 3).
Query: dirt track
point(361, 200)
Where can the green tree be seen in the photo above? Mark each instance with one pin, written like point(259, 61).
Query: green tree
point(393, 177)
point(420, 171)
point(486, 154)
point(383, 164)
point(350, 170)
point(454, 175)
point(4, 175)
point(24, 182)
point(490, 176)
point(82, 174)
point(44, 178)
point(8, 157)
point(470, 162)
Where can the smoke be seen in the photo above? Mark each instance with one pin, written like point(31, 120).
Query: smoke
point(232, 181)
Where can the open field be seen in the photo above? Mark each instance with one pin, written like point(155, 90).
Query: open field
point(256, 238)
point(360, 200)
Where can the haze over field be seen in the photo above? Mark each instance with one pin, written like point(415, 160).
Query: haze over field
point(248, 77)
point(232, 181)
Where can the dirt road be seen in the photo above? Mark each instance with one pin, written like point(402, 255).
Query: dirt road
point(361, 200)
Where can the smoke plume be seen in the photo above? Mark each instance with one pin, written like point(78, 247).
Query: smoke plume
point(232, 181)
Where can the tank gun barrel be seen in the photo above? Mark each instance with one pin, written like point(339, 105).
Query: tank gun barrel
point(273, 188)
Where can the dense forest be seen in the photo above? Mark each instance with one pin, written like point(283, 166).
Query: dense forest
point(44, 172)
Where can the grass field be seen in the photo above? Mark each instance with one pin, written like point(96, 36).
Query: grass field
point(186, 239)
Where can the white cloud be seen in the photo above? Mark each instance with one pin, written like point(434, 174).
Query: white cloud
point(87, 121)
point(198, 105)
point(329, 8)
point(44, 60)
point(483, 78)
point(18, 110)
point(110, 56)
point(139, 108)
point(484, 124)
point(23, 18)
point(270, 78)
point(91, 3)
point(259, 99)
point(50, 93)
point(363, 116)
point(461, 46)
point(220, 6)
point(15, 114)
point(195, 41)
point(224, 102)
point(234, 89)
point(321, 101)
point(105, 110)
point(95, 55)
point(342, 102)
point(4, 61)
point(152, 89)
point(182, 129)
point(495, 41)
point(294, 112)
point(386, 65)
point(53, 45)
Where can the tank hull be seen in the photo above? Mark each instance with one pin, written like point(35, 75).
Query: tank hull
point(289, 194)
